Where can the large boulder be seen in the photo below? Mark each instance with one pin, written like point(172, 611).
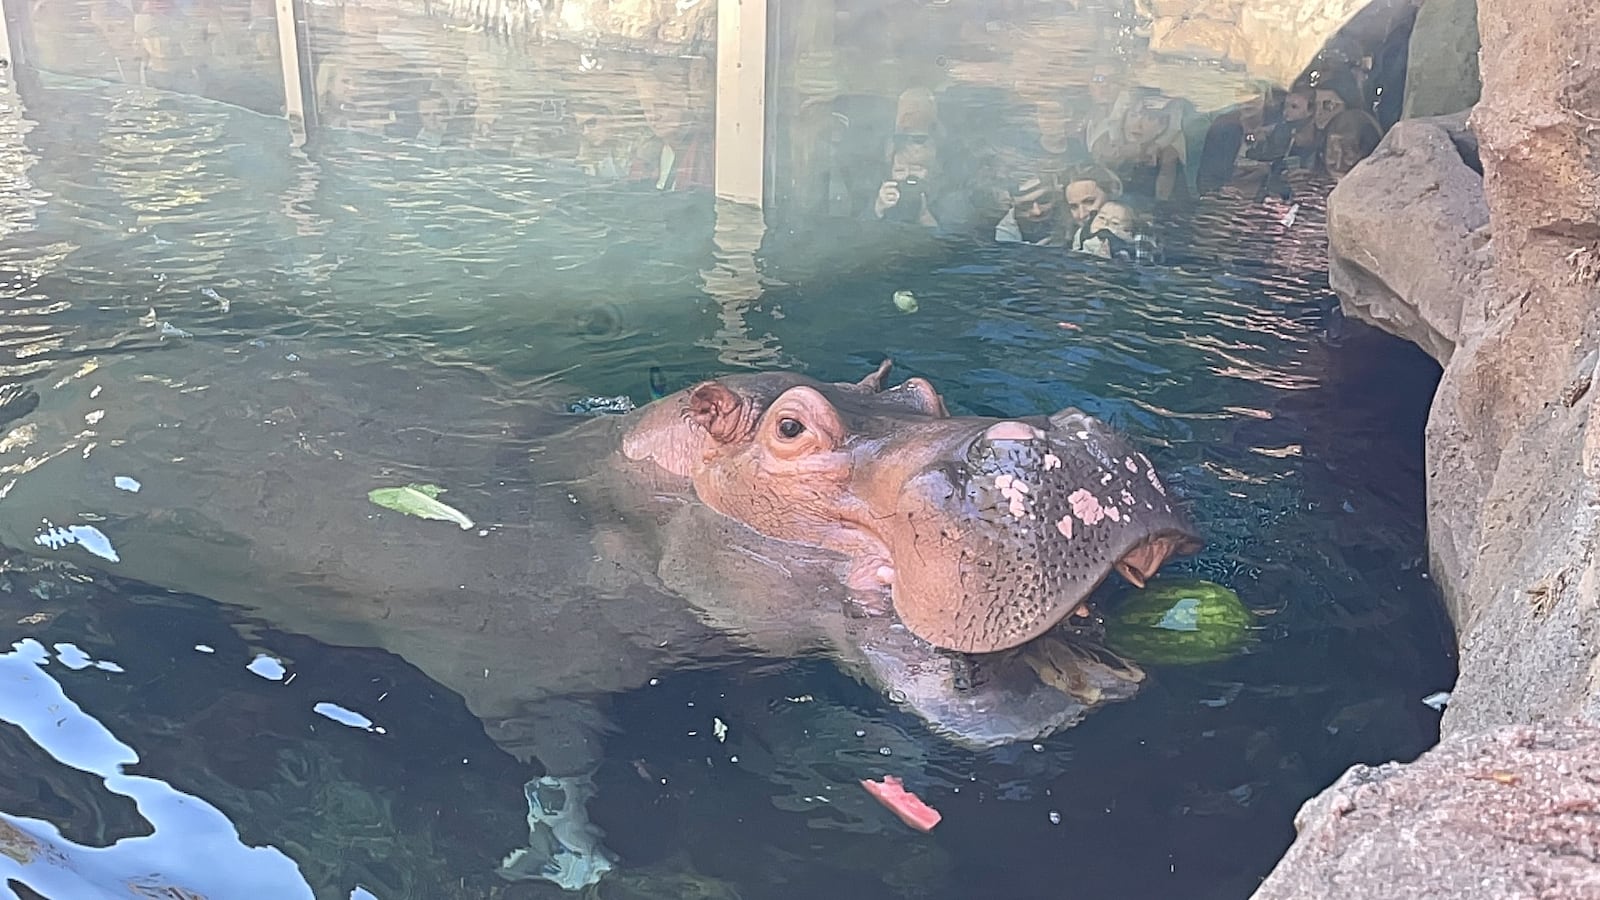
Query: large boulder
point(1513, 813)
point(1442, 70)
point(1417, 184)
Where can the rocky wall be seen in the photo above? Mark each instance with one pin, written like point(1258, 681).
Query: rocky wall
point(1500, 279)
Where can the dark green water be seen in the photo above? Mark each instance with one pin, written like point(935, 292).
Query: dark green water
point(1296, 438)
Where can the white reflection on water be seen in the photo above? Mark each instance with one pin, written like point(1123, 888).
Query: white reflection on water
point(265, 666)
point(193, 846)
point(347, 717)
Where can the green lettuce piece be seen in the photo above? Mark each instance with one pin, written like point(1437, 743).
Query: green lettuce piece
point(418, 500)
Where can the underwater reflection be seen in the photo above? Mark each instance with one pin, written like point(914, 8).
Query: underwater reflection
point(192, 849)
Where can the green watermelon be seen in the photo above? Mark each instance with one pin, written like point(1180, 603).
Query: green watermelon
point(1179, 621)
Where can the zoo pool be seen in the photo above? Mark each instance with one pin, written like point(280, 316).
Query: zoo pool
point(141, 225)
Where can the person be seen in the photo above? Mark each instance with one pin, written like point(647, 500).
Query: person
point(1109, 233)
point(1147, 149)
point(1050, 142)
point(1288, 151)
point(905, 197)
point(175, 37)
point(1088, 187)
point(817, 181)
point(433, 119)
point(1335, 92)
point(341, 103)
point(1294, 135)
point(1106, 80)
point(606, 147)
point(1037, 215)
point(1351, 137)
point(680, 155)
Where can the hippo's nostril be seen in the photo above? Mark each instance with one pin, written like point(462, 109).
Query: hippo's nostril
point(1012, 431)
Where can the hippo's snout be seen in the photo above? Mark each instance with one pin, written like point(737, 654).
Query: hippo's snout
point(1000, 545)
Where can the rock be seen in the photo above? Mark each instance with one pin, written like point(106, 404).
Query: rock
point(1512, 813)
point(1442, 72)
point(1507, 805)
point(1272, 39)
point(1197, 38)
point(1418, 192)
point(1513, 467)
point(1511, 477)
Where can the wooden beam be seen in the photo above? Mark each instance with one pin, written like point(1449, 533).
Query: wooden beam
point(9, 56)
point(289, 58)
point(741, 100)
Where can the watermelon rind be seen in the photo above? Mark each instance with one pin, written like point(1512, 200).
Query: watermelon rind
point(1179, 621)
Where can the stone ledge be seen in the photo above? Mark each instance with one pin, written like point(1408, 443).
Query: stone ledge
point(1509, 814)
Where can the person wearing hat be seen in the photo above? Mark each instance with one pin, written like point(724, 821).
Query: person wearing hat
point(1037, 215)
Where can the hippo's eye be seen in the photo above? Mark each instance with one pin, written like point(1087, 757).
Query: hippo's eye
point(790, 429)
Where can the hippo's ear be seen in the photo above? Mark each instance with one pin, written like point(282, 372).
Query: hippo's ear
point(722, 413)
point(874, 381)
point(921, 395)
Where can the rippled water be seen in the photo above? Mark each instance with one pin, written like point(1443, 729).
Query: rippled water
point(138, 223)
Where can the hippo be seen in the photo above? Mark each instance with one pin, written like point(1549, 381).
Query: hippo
point(949, 561)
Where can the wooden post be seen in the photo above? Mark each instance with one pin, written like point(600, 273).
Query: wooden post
point(741, 100)
point(289, 57)
point(10, 58)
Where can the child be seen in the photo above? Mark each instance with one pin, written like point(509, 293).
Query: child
point(1109, 232)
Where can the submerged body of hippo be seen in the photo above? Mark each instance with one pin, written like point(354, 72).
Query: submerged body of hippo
point(943, 559)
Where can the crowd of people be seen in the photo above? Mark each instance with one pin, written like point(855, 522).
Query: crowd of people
point(1098, 168)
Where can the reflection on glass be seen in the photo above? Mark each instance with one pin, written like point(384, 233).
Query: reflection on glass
point(981, 105)
point(224, 51)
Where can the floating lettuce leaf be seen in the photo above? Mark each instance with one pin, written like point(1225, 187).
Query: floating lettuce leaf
point(418, 500)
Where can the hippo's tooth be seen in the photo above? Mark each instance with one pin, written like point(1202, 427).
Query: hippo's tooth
point(1131, 572)
point(1012, 431)
point(885, 574)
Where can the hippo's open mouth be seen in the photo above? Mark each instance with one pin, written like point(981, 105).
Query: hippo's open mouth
point(1009, 539)
point(991, 699)
point(992, 559)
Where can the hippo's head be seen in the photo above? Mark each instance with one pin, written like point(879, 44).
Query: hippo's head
point(978, 534)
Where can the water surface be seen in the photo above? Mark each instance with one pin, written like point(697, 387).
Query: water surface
point(139, 222)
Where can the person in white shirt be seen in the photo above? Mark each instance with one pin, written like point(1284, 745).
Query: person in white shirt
point(1037, 214)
